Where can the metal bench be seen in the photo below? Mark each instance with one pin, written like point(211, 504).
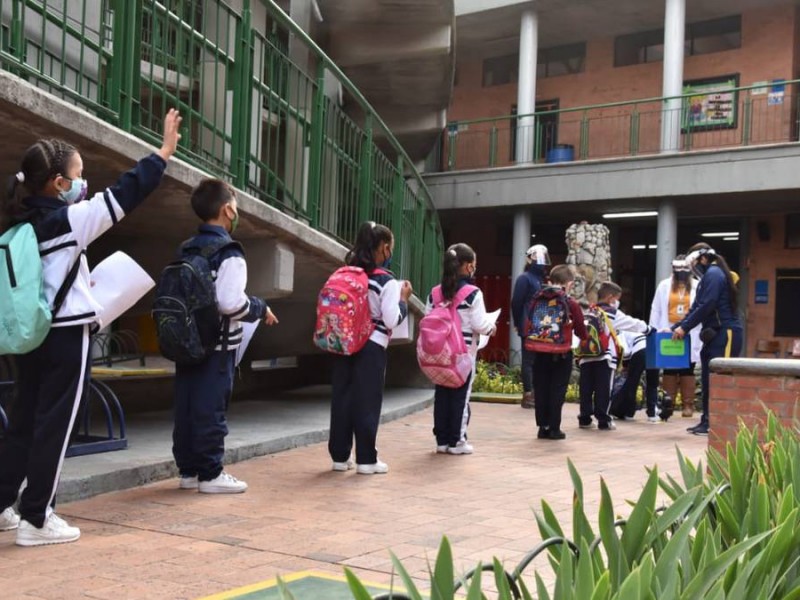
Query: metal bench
point(88, 436)
point(115, 347)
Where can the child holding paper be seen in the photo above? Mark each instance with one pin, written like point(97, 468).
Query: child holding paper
point(202, 391)
point(451, 405)
point(47, 192)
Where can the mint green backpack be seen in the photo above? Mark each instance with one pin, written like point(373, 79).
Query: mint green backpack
point(24, 313)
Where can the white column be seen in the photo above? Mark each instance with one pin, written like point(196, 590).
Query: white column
point(526, 84)
point(520, 243)
point(674, 39)
point(667, 239)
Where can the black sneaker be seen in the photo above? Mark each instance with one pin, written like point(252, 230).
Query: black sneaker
point(557, 435)
point(693, 427)
point(544, 433)
point(701, 429)
point(609, 426)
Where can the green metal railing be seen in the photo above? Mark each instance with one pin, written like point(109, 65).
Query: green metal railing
point(252, 115)
point(740, 116)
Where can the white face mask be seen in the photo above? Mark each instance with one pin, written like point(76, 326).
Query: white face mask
point(615, 305)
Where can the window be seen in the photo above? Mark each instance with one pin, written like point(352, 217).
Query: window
point(792, 231)
point(715, 36)
point(551, 62)
point(787, 290)
point(561, 60)
point(705, 37)
point(500, 70)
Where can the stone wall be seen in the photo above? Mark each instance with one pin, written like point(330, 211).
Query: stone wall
point(589, 251)
point(743, 388)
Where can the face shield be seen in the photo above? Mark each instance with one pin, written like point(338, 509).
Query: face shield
point(538, 255)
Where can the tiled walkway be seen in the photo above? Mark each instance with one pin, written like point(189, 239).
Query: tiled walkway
point(159, 542)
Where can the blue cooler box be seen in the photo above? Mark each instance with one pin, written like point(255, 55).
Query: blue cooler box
point(664, 353)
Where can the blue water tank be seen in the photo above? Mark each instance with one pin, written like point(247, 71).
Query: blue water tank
point(561, 153)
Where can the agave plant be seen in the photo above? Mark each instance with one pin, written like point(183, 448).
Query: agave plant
point(730, 533)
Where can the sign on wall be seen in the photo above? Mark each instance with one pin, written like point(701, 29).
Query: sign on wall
point(711, 104)
point(762, 291)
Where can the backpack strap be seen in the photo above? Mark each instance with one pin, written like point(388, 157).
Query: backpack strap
point(61, 294)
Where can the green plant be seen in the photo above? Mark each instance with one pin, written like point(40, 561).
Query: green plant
point(733, 533)
point(497, 378)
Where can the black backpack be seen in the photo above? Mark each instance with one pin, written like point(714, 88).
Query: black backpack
point(185, 310)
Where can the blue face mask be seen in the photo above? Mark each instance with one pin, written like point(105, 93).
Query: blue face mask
point(387, 264)
point(699, 269)
point(76, 192)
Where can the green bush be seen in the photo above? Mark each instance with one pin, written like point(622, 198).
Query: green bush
point(729, 533)
point(497, 378)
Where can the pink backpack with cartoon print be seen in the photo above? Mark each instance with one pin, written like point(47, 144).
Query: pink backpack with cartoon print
point(344, 322)
point(442, 353)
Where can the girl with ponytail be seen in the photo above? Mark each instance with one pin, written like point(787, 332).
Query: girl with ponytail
point(451, 405)
point(358, 379)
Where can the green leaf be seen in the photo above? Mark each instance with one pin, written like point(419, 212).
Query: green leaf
point(541, 588)
point(356, 587)
point(474, 591)
point(602, 591)
point(411, 589)
point(708, 577)
point(673, 515)
point(284, 592)
point(523, 589)
point(617, 561)
point(584, 574)
point(442, 581)
point(668, 561)
point(640, 519)
point(564, 589)
point(501, 581)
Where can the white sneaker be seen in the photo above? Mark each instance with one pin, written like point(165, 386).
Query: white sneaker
point(343, 466)
point(610, 426)
point(188, 483)
point(461, 448)
point(441, 449)
point(377, 468)
point(653, 420)
point(54, 531)
point(223, 484)
point(8, 519)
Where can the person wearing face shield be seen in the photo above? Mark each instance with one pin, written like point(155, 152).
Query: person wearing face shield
point(671, 303)
point(527, 285)
point(715, 310)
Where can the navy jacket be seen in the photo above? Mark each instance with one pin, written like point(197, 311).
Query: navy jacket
point(712, 306)
point(526, 287)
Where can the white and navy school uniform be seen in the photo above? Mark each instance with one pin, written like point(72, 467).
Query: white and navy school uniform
point(203, 391)
point(357, 381)
point(597, 373)
point(451, 410)
point(623, 404)
point(53, 378)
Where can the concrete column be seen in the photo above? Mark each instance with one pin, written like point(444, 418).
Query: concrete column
point(667, 239)
point(520, 243)
point(526, 84)
point(674, 39)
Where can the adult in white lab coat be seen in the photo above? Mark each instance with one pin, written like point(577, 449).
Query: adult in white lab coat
point(674, 295)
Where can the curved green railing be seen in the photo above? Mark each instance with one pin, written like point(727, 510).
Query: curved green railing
point(704, 119)
point(260, 102)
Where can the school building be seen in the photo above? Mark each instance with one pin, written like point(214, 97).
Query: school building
point(669, 121)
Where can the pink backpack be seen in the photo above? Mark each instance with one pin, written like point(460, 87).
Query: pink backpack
point(442, 353)
point(344, 321)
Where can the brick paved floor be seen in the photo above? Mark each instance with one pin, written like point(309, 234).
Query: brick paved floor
point(160, 542)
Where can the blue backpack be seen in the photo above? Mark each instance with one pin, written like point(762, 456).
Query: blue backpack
point(25, 315)
point(188, 324)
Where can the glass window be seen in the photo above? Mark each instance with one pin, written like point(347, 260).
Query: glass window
point(500, 70)
point(561, 60)
point(705, 37)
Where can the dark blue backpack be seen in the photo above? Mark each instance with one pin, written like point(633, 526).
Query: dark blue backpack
point(188, 323)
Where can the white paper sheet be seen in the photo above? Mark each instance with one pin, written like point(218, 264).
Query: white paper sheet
point(402, 334)
point(484, 339)
point(118, 283)
point(248, 330)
